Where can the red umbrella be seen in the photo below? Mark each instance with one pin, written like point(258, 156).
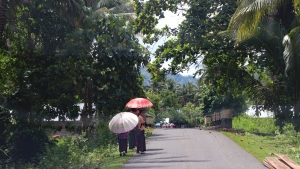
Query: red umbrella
point(139, 103)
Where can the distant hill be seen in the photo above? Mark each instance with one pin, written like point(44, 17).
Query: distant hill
point(180, 79)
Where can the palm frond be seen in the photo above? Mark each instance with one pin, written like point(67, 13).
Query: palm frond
point(117, 7)
point(124, 8)
point(268, 36)
point(100, 13)
point(71, 9)
point(249, 14)
point(291, 53)
point(110, 3)
point(272, 94)
point(297, 9)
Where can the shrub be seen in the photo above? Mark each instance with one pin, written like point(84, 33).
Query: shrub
point(26, 142)
point(148, 131)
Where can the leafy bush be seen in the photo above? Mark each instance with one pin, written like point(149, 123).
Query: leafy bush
point(148, 131)
point(79, 152)
point(288, 133)
point(26, 142)
point(103, 136)
point(72, 152)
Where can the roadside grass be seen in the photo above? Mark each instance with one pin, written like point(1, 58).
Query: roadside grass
point(275, 142)
point(254, 124)
point(148, 131)
point(115, 161)
point(82, 152)
point(258, 146)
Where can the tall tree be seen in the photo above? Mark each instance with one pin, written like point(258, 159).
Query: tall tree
point(265, 25)
point(54, 61)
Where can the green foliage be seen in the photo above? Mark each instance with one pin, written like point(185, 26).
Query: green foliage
point(75, 152)
point(57, 55)
point(148, 131)
point(254, 124)
point(265, 146)
point(192, 114)
point(275, 39)
point(26, 142)
point(212, 102)
point(176, 117)
point(287, 132)
point(103, 136)
point(285, 141)
point(196, 42)
point(169, 99)
point(156, 100)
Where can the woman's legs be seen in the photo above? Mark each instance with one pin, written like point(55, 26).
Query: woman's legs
point(141, 146)
point(122, 146)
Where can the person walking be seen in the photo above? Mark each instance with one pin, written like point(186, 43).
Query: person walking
point(122, 140)
point(132, 133)
point(141, 140)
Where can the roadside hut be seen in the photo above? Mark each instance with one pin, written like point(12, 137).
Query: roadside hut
point(149, 120)
point(226, 118)
point(207, 120)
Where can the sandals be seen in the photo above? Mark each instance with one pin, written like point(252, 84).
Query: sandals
point(122, 154)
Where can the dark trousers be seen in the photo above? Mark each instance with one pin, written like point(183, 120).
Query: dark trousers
point(141, 141)
point(132, 140)
point(122, 145)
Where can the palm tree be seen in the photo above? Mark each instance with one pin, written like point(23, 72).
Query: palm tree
point(250, 13)
point(266, 25)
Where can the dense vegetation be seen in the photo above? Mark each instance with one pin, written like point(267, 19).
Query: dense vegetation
point(56, 54)
point(246, 47)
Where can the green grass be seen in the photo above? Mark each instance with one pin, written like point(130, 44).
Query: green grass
point(285, 142)
point(259, 147)
point(116, 162)
point(254, 124)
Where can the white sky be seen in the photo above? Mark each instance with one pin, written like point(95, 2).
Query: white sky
point(172, 20)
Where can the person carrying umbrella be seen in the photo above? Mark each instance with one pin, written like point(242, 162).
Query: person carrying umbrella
point(139, 131)
point(121, 124)
point(141, 140)
point(122, 140)
point(132, 136)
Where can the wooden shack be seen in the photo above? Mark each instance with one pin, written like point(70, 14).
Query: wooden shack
point(226, 118)
point(207, 120)
point(213, 119)
point(218, 119)
point(149, 120)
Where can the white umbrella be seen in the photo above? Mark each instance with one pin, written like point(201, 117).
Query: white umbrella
point(123, 122)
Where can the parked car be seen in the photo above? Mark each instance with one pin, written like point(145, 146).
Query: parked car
point(157, 124)
point(166, 125)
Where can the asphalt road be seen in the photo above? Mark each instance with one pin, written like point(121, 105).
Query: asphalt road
point(192, 149)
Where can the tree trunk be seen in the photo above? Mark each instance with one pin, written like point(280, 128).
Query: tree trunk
point(84, 113)
point(296, 118)
point(87, 112)
point(4, 122)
